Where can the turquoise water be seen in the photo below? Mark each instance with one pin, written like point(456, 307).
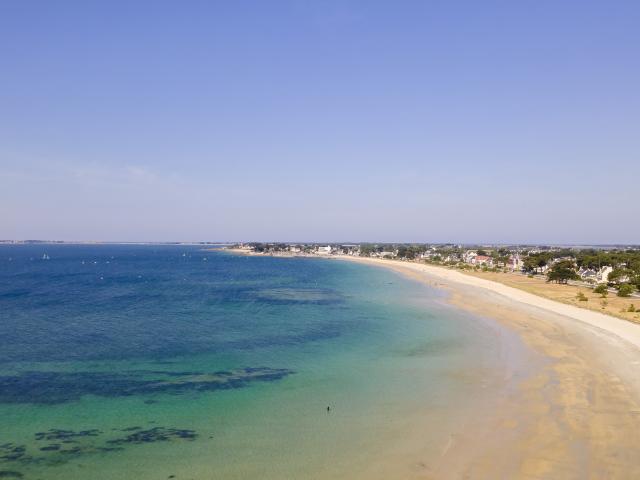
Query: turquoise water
point(174, 362)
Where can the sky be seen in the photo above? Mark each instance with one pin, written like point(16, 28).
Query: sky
point(396, 121)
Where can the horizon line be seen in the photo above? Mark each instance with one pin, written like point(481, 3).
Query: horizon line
point(207, 242)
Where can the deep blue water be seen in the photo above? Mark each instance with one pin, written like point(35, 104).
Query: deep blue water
point(122, 302)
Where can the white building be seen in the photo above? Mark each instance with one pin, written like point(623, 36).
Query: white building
point(595, 276)
point(469, 256)
point(383, 254)
point(603, 274)
point(588, 274)
point(515, 263)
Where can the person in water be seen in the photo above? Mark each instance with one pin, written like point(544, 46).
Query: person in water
point(328, 409)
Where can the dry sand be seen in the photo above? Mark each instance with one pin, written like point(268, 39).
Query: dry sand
point(575, 416)
point(611, 305)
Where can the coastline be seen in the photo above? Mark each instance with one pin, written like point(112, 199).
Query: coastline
point(578, 416)
point(623, 328)
point(427, 377)
point(575, 414)
point(610, 306)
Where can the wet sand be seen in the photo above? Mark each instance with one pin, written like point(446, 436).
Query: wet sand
point(576, 415)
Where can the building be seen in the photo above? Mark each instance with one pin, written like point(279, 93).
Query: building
point(515, 263)
point(384, 254)
point(324, 250)
point(603, 274)
point(482, 260)
point(469, 256)
point(588, 274)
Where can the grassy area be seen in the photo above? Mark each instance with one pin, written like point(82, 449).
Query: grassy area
point(611, 305)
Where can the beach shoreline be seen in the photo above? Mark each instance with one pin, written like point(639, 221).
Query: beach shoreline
point(578, 416)
point(626, 330)
point(574, 414)
point(610, 306)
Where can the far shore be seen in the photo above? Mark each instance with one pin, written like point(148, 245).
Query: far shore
point(611, 305)
point(575, 415)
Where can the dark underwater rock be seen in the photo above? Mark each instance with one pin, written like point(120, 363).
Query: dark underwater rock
point(10, 474)
point(67, 436)
point(84, 442)
point(59, 387)
point(72, 450)
point(292, 296)
point(10, 452)
point(156, 434)
point(50, 448)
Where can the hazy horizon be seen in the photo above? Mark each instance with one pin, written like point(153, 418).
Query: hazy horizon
point(460, 122)
point(38, 241)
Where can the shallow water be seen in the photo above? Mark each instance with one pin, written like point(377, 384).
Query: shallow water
point(151, 362)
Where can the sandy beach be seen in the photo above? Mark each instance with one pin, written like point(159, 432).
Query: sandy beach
point(575, 415)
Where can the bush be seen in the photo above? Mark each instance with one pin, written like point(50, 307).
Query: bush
point(632, 308)
point(625, 290)
point(582, 297)
point(602, 290)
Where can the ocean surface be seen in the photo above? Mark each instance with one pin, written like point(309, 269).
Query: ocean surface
point(156, 362)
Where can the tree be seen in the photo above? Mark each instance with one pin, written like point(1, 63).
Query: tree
point(258, 247)
point(499, 260)
point(366, 250)
point(562, 272)
point(620, 275)
point(625, 290)
point(602, 290)
point(536, 261)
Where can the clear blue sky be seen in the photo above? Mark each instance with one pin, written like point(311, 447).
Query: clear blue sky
point(465, 121)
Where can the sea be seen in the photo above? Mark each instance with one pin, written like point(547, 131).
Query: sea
point(180, 362)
